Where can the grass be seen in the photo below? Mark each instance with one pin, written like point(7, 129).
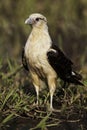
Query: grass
point(17, 99)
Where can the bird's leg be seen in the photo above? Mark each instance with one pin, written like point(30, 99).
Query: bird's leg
point(36, 84)
point(37, 93)
point(51, 99)
point(52, 87)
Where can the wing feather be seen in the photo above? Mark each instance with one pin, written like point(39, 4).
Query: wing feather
point(62, 65)
point(24, 60)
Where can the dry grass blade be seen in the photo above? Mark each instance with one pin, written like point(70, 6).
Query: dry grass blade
point(42, 123)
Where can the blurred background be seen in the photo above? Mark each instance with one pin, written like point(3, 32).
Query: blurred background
point(67, 21)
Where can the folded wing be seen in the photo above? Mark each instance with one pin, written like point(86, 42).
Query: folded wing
point(24, 60)
point(63, 66)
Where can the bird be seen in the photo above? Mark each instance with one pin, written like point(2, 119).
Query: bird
point(44, 60)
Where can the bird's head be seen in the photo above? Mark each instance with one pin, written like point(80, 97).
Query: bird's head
point(36, 20)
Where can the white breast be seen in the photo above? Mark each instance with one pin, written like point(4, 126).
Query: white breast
point(36, 52)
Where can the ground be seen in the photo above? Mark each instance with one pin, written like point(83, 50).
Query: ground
point(17, 103)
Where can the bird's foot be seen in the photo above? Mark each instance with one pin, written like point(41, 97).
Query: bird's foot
point(51, 109)
point(56, 110)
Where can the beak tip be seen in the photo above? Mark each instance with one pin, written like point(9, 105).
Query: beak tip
point(25, 22)
point(28, 21)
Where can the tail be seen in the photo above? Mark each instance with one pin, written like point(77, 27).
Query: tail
point(75, 78)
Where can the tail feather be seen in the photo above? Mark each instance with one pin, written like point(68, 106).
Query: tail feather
point(78, 76)
point(76, 79)
point(77, 82)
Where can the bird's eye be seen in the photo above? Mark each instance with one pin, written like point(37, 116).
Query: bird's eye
point(37, 19)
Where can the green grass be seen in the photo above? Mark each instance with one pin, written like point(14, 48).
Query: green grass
point(16, 101)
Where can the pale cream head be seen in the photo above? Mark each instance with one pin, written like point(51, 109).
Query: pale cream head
point(36, 20)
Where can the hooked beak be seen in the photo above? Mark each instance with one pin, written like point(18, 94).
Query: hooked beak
point(29, 21)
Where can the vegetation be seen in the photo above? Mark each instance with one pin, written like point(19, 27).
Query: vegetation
point(17, 98)
point(67, 21)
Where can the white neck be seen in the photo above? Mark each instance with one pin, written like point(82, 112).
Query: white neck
point(39, 40)
point(40, 33)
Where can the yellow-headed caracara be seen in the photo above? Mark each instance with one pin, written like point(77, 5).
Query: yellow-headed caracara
point(45, 60)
